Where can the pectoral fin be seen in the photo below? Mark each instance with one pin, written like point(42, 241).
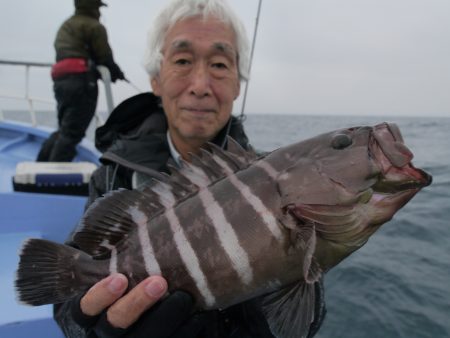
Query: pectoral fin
point(303, 237)
point(290, 311)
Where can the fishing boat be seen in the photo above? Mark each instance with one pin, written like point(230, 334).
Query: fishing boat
point(41, 210)
point(44, 200)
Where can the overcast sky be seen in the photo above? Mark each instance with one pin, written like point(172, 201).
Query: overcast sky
point(363, 57)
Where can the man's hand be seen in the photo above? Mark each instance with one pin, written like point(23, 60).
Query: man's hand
point(116, 73)
point(109, 312)
point(125, 311)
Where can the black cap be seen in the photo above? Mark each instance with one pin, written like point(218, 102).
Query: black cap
point(79, 4)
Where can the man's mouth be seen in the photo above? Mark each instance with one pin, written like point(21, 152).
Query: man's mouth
point(199, 110)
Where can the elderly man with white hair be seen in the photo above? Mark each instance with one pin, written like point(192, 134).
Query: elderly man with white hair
point(197, 57)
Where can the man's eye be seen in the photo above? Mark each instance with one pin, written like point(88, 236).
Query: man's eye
point(220, 65)
point(182, 62)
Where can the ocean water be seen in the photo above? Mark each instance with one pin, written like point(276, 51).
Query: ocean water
point(398, 284)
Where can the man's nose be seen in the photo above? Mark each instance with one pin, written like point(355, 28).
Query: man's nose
point(200, 81)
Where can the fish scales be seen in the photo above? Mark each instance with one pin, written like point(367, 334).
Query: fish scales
point(251, 225)
point(190, 260)
point(231, 226)
point(200, 233)
point(250, 229)
point(171, 254)
point(211, 254)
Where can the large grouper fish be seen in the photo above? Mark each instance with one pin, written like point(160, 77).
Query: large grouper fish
point(230, 225)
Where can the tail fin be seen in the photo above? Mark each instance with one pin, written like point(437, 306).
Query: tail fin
point(49, 272)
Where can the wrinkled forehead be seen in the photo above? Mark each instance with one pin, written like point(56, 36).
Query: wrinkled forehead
point(186, 45)
point(206, 32)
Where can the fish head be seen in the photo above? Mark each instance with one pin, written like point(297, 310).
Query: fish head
point(346, 184)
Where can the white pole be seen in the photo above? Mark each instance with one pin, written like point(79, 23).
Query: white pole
point(251, 58)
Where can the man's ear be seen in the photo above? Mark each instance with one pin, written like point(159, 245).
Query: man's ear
point(156, 86)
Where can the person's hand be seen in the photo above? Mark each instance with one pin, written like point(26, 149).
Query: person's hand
point(116, 73)
point(107, 311)
point(122, 312)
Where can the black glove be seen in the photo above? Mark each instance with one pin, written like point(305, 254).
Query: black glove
point(116, 72)
point(171, 317)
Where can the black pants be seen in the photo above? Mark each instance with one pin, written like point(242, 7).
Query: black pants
point(76, 97)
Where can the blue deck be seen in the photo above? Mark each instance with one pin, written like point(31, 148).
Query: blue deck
point(25, 215)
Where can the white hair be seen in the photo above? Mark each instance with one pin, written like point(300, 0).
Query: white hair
point(182, 9)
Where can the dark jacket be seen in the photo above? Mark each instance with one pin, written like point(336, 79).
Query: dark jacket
point(134, 140)
point(83, 36)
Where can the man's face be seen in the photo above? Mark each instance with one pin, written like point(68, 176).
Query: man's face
point(199, 79)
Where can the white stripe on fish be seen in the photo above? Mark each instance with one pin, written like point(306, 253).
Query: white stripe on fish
point(151, 264)
point(189, 257)
point(271, 171)
point(183, 245)
point(227, 237)
point(113, 261)
point(256, 203)
point(196, 175)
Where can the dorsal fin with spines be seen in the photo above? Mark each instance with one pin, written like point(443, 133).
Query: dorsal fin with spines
point(98, 233)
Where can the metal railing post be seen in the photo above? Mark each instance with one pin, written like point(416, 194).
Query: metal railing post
point(104, 73)
point(28, 98)
point(106, 79)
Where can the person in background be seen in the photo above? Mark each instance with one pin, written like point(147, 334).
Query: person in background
point(198, 56)
point(81, 44)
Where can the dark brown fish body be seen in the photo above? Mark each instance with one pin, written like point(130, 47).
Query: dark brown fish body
point(234, 264)
point(229, 226)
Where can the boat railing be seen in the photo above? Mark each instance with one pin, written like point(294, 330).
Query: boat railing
point(31, 100)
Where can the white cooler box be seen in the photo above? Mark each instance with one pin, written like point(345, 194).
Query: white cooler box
point(68, 178)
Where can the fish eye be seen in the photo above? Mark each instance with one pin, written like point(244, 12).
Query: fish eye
point(341, 141)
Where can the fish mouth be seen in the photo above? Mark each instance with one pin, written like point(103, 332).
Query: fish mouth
point(397, 174)
point(385, 186)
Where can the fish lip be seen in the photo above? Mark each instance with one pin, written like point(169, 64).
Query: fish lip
point(390, 189)
point(395, 132)
point(392, 156)
point(385, 186)
point(390, 142)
